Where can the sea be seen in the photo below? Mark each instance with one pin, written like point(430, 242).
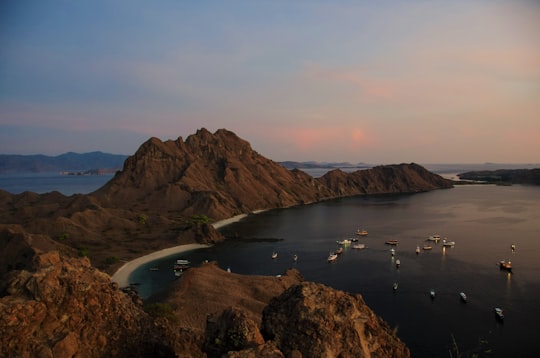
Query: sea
point(483, 221)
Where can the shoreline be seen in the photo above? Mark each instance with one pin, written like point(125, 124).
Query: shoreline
point(121, 276)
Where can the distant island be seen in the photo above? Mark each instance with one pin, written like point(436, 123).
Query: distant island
point(93, 163)
point(504, 176)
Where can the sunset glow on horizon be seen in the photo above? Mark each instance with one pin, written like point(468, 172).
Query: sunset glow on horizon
point(359, 81)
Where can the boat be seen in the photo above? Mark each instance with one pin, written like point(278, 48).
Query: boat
point(432, 293)
point(154, 268)
point(182, 262)
point(295, 257)
point(274, 255)
point(513, 247)
point(395, 286)
point(344, 242)
point(505, 265)
point(353, 239)
point(448, 243)
point(499, 314)
point(427, 247)
point(417, 250)
point(398, 263)
point(339, 251)
point(435, 238)
point(361, 232)
point(463, 296)
point(332, 257)
point(359, 246)
point(391, 242)
point(393, 251)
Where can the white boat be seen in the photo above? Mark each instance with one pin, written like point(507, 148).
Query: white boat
point(463, 296)
point(339, 251)
point(274, 255)
point(432, 293)
point(359, 246)
point(499, 313)
point(344, 242)
point(435, 238)
point(182, 262)
point(393, 251)
point(391, 242)
point(427, 247)
point(417, 250)
point(398, 263)
point(295, 257)
point(448, 243)
point(361, 232)
point(332, 257)
point(395, 286)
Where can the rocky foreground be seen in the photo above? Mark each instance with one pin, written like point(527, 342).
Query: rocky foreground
point(57, 300)
point(63, 307)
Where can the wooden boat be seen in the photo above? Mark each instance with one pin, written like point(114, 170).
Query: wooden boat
point(463, 296)
point(505, 265)
point(359, 246)
point(391, 242)
point(274, 255)
point(435, 238)
point(339, 251)
point(427, 247)
point(499, 314)
point(361, 232)
point(332, 257)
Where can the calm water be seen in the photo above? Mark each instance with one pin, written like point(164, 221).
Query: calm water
point(483, 220)
point(46, 182)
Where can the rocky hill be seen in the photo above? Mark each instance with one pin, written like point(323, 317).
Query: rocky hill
point(168, 193)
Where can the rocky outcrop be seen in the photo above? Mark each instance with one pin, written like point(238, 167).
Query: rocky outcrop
point(317, 321)
point(63, 307)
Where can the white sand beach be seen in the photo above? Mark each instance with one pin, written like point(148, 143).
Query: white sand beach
point(121, 276)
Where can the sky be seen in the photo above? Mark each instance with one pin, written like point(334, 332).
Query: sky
point(376, 82)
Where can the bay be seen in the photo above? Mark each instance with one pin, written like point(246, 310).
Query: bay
point(483, 220)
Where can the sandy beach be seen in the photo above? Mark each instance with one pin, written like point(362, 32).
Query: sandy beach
point(121, 276)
